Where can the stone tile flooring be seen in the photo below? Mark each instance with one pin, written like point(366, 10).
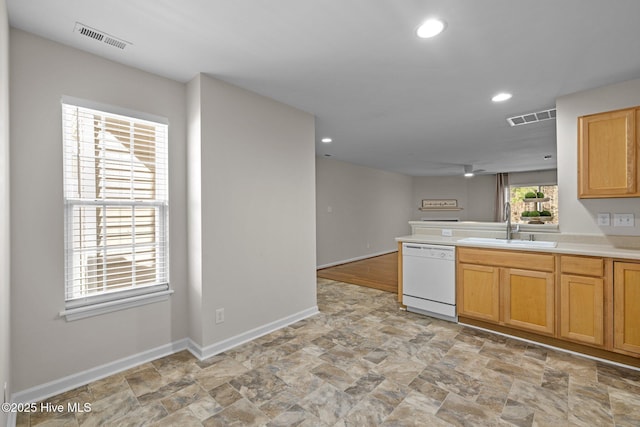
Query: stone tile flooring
point(362, 362)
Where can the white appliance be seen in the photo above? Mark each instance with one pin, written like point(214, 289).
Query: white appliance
point(429, 280)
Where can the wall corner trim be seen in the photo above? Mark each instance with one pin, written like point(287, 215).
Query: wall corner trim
point(52, 388)
point(229, 343)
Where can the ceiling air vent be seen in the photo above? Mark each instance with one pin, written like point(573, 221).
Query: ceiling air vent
point(100, 36)
point(525, 119)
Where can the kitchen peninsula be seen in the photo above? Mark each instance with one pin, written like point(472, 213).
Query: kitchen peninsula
point(582, 295)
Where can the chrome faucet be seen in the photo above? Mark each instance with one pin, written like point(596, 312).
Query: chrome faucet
point(507, 214)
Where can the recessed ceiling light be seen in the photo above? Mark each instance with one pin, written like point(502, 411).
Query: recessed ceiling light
point(502, 96)
point(326, 140)
point(430, 28)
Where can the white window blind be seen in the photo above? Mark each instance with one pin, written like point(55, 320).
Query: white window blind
point(116, 206)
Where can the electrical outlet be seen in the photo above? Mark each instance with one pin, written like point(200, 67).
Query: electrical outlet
point(622, 220)
point(219, 315)
point(447, 232)
point(604, 219)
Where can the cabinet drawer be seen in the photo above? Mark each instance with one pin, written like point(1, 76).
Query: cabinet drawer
point(583, 266)
point(514, 259)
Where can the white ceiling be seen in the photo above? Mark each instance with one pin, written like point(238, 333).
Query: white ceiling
point(388, 99)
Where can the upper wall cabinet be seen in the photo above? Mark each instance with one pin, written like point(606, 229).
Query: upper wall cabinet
point(608, 154)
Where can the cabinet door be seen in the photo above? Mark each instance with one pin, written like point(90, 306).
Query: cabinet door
point(626, 307)
point(528, 300)
point(479, 292)
point(582, 309)
point(607, 155)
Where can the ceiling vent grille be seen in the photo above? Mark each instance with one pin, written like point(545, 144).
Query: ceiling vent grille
point(539, 116)
point(100, 36)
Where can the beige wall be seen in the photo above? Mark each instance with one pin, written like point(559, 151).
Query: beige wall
point(476, 196)
point(45, 347)
point(359, 211)
point(5, 330)
point(246, 202)
point(256, 204)
point(545, 177)
point(579, 215)
point(194, 212)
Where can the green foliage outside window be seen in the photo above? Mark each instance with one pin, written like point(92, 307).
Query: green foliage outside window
point(518, 206)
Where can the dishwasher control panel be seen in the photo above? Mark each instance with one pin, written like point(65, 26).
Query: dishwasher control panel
point(429, 251)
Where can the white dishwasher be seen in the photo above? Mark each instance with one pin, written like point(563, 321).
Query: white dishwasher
point(429, 280)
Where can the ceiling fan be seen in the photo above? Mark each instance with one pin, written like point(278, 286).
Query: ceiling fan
point(453, 168)
point(469, 171)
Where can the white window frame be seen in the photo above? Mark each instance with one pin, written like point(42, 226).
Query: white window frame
point(81, 306)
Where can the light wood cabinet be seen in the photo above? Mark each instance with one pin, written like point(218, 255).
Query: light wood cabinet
point(479, 292)
point(514, 289)
point(608, 154)
point(582, 309)
point(528, 298)
point(582, 265)
point(582, 293)
point(626, 307)
point(594, 309)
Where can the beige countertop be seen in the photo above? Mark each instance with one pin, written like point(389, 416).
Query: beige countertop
point(588, 249)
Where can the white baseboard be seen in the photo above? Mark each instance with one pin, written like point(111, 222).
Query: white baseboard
point(52, 388)
point(359, 258)
point(224, 345)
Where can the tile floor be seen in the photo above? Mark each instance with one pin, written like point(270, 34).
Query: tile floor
point(362, 362)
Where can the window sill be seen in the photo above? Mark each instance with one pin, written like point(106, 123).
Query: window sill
point(116, 305)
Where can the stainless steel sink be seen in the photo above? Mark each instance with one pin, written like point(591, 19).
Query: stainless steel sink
point(489, 241)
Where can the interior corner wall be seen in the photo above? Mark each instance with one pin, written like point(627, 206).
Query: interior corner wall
point(579, 215)
point(359, 210)
point(194, 211)
point(476, 196)
point(257, 209)
point(5, 250)
point(41, 72)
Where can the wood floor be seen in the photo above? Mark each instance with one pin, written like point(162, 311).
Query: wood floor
point(379, 272)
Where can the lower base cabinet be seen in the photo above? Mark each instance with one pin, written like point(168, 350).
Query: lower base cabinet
point(529, 300)
point(626, 308)
point(582, 309)
point(594, 309)
point(479, 292)
point(507, 293)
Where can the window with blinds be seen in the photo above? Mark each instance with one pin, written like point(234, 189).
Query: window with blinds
point(116, 206)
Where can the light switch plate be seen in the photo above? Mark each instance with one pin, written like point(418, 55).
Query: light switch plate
point(604, 219)
point(623, 220)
